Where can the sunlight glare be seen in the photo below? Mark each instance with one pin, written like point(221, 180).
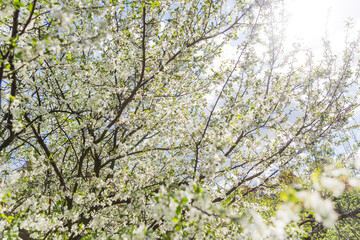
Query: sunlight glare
point(308, 20)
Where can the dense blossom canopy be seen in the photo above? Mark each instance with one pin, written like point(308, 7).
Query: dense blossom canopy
point(127, 120)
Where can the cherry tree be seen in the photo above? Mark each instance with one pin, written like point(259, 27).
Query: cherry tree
point(124, 120)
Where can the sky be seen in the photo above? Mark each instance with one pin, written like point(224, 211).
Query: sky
point(310, 20)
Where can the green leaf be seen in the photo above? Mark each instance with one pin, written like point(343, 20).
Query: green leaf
point(30, 7)
point(178, 210)
point(184, 200)
point(17, 4)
